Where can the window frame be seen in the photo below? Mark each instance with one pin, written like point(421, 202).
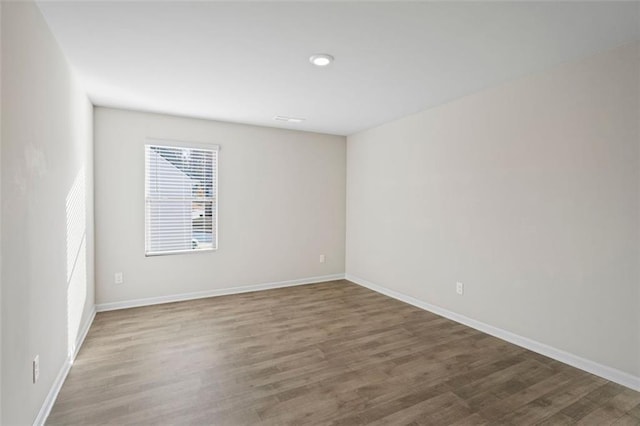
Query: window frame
point(172, 143)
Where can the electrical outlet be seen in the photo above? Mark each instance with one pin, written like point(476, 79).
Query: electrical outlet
point(36, 368)
point(459, 288)
point(118, 278)
point(322, 258)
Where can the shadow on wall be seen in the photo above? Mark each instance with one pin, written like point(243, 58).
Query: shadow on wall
point(76, 207)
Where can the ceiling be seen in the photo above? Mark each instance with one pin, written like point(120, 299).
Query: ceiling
point(248, 62)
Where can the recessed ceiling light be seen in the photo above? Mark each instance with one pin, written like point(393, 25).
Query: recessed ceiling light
point(288, 119)
point(321, 59)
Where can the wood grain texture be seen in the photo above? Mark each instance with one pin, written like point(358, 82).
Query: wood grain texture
point(330, 353)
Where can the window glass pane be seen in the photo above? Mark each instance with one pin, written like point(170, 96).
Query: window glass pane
point(181, 197)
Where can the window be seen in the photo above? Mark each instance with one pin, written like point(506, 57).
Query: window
point(181, 197)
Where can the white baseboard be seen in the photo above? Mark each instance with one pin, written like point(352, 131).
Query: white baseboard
point(47, 405)
point(589, 366)
point(212, 293)
point(84, 330)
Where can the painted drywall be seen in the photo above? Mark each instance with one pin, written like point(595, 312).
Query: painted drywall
point(527, 193)
point(0, 213)
point(47, 210)
point(281, 205)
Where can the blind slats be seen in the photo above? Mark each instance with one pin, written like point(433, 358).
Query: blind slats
point(180, 198)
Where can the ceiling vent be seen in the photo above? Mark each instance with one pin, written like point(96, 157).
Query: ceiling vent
point(288, 119)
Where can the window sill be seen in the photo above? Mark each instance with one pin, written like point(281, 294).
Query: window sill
point(168, 253)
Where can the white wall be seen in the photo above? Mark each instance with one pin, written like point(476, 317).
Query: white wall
point(282, 204)
point(0, 213)
point(47, 229)
point(528, 193)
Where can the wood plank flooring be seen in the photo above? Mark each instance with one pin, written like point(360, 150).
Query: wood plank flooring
point(331, 353)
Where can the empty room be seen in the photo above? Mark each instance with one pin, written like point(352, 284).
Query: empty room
point(319, 213)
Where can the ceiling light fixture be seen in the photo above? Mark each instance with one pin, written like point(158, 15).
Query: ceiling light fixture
point(321, 59)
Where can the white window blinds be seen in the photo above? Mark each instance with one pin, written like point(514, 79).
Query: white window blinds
point(181, 199)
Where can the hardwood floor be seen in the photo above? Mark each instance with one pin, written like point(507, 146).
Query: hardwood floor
point(331, 353)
